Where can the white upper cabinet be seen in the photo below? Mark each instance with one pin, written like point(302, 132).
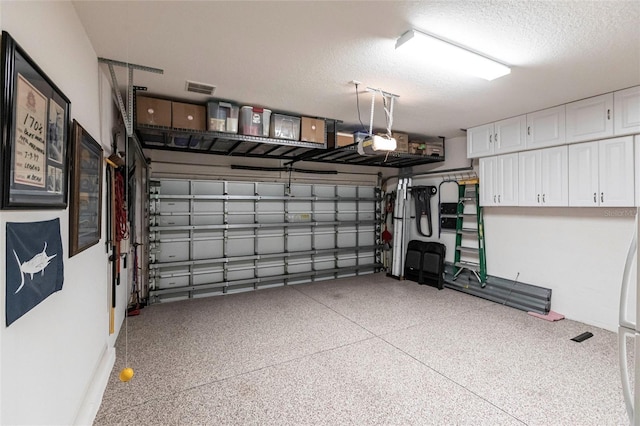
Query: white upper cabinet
point(507, 182)
point(590, 119)
point(487, 174)
point(499, 180)
point(601, 173)
point(529, 171)
point(546, 128)
point(583, 174)
point(543, 177)
point(510, 135)
point(555, 176)
point(480, 141)
point(637, 169)
point(626, 108)
point(616, 172)
point(500, 137)
point(637, 179)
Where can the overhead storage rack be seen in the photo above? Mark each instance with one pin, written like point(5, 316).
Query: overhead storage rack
point(230, 144)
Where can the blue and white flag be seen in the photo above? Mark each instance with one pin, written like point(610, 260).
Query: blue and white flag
point(35, 266)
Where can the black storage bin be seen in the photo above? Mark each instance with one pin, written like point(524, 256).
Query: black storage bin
point(425, 263)
point(413, 261)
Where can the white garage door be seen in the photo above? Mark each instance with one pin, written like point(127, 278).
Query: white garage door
point(215, 237)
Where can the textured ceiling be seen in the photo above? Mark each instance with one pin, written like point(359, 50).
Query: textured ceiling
point(301, 56)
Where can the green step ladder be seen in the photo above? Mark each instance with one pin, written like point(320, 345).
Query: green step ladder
point(469, 231)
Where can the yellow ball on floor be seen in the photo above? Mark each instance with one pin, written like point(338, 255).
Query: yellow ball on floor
point(126, 374)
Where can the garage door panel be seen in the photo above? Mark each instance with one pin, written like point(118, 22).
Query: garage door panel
point(240, 188)
point(347, 191)
point(298, 266)
point(173, 252)
point(299, 242)
point(207, 187)
point(346, 236)
point(231, 224)
point(173, 206)
point(175, 187)
point(170, 220)
point(270, 245)
point(208, 249)
point(271, 189)
point(180, 279)
point(270, 269)
point(240, 271)
point(323, 262)
point(206, 278)
point(299, 207)
point(325, 241)
point(366, 239)
point(240, 247)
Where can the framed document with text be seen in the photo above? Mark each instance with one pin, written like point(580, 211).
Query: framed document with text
point(85, 204)
point(35, 133)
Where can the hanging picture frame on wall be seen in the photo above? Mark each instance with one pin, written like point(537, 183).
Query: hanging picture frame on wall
point(35, 133)
point(85, 208)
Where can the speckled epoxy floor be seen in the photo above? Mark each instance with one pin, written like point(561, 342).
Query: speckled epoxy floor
point(364, 350)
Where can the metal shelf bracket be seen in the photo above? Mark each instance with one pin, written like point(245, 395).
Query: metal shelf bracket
point(127, 116)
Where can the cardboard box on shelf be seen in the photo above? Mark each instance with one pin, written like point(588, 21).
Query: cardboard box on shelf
point(284, 127)
point(153, 111)
point(188, 116)
point(402, 141)
point(313, 130)
point(344, 139)
point(433, 149)
point(416, 147)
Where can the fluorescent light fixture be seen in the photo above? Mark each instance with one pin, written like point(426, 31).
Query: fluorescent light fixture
point(453, 55)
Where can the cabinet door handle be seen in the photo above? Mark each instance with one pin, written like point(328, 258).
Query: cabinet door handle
point(595, 200)
point(608, 114)
point(602, 197)
point(490, 138)
point(538, 198)
point(499, 199)
point(529, 130)
point(495, 138)
point(543, 200)
point(494, 199)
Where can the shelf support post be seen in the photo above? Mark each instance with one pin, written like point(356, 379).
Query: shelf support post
point(127, 116)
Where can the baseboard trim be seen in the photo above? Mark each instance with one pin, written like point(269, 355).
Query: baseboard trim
point(93, 398)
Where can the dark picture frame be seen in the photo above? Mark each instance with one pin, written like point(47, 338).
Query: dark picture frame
point(35, 133)
point(85, 211)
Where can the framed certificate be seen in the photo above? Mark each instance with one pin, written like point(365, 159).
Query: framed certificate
point(86, 191)
point(35, 133)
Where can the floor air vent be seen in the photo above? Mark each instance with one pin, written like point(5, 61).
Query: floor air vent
point(201, 88)
point(517, 295)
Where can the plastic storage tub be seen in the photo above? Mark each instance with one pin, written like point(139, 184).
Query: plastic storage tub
point(285, 127)
point(222, 117)
point(254, 121)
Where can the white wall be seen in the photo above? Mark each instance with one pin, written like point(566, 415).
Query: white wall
point(577, 252)
point(50, 356)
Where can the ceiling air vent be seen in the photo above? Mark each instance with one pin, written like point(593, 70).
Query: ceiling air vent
point(201, 88)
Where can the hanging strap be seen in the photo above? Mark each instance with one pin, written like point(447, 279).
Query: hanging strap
point(422, 198)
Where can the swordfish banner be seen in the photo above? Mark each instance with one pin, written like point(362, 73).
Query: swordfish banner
point(35, 266)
